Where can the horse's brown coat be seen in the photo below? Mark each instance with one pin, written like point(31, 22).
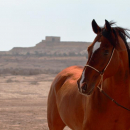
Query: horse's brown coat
point(66, 106)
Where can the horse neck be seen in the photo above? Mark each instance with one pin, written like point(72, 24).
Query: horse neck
point(118, 85)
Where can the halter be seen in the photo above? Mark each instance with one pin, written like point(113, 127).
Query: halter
point(101, 80)
point(102, 72)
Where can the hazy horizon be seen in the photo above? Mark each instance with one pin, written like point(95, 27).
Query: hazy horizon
point(26, 23)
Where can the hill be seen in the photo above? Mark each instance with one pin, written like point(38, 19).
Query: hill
point(49, 56)
point(51, 46)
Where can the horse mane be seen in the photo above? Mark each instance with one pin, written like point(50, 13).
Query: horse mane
point(123, 33)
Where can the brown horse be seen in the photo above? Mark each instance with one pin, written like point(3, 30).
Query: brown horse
point(96, 97)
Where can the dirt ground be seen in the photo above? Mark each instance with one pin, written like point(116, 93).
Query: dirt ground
point(23, 94)
point(23, 101)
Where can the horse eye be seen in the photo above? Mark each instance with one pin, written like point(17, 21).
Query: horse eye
point(106, 52)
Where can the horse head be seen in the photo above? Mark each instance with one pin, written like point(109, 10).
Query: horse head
point(104, 56)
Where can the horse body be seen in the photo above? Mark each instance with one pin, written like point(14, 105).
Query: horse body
point(88, 108)
point(64, 91)
point(80, 112)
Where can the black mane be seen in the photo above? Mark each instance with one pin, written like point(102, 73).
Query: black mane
point(123, 33)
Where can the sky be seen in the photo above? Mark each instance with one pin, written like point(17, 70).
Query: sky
point(24, 23)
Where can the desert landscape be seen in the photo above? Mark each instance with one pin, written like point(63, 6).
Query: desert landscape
point(41, 38)
point(23, 102)
point(24, 85)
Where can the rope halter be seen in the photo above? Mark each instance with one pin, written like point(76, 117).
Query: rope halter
point(102, 72)
point(101, 81)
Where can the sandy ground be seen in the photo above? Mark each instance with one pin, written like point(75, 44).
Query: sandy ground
point(23, 102)
point(23, 99)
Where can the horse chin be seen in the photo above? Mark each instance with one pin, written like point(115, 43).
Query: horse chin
point(88, 92)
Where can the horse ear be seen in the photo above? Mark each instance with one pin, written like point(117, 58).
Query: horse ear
point(95, 27)
point(107, 26)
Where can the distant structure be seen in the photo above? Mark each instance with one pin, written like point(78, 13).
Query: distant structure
point(52, 46)
point(52, 39)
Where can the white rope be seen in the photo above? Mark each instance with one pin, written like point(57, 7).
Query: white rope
point(93, 68)
point(109, 60)
point(100, 82)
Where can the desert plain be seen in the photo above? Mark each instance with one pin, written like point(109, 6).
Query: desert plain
point(24, 87)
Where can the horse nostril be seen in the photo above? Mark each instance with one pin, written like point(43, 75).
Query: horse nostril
point(84, 87)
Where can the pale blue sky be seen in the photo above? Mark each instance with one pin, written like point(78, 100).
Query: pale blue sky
point(24, 23)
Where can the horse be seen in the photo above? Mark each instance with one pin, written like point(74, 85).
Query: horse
point(96, 96)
